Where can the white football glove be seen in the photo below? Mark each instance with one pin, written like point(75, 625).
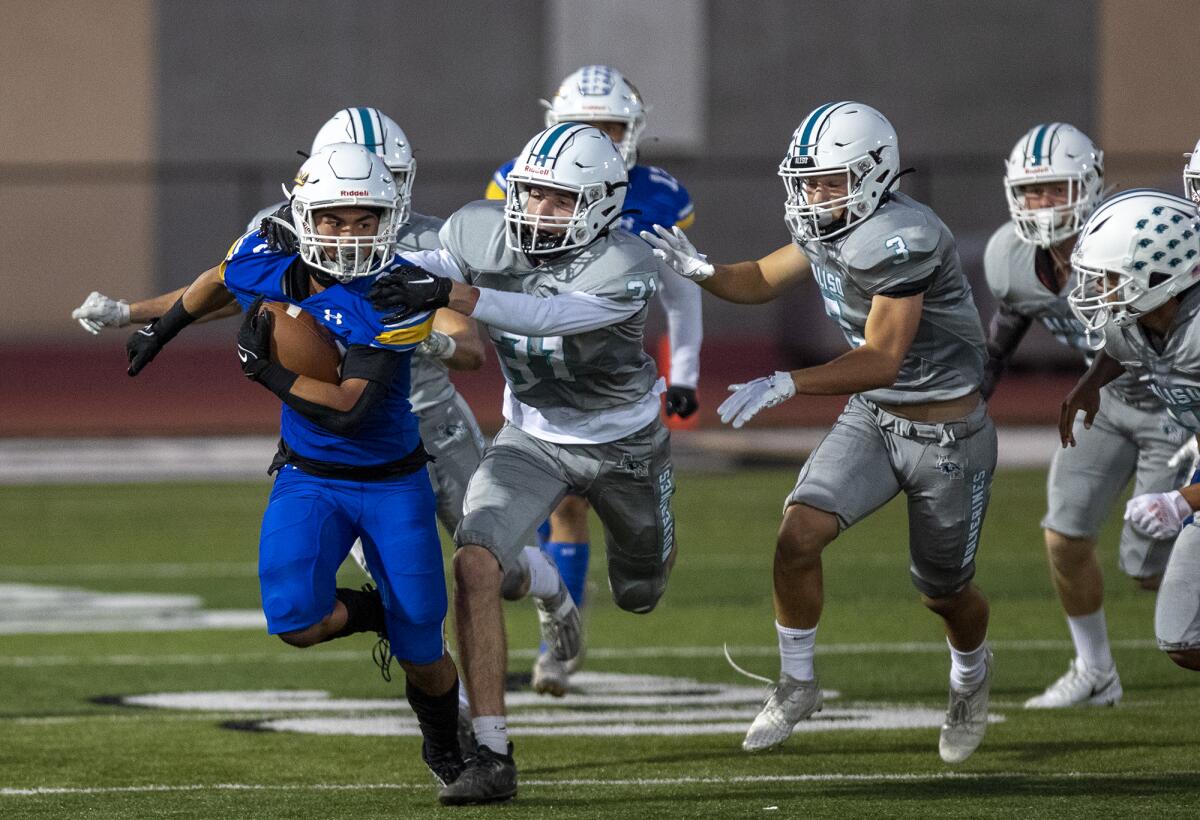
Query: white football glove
point(1158, 515)
point(749, 398)
point(673, 247)
point(98, 311)
point(438, 345)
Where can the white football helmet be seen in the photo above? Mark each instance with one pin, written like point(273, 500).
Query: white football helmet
point(1136, 251)
point(838, 138)
point(376, 131)
point(597, 93)
point(345, 174)
point(572, 157)
point(1191, 176)
point(1053, 152)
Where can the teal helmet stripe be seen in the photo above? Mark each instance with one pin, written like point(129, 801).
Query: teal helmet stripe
point(1037, 144)
point(810, 126)
point(368, 130)
point(548, 142)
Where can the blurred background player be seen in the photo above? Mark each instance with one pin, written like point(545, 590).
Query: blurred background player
point(1054, 179)
point(889, 274)
point(1137, 264)
point(350, 462)
point(601, 96)
point(564, 299)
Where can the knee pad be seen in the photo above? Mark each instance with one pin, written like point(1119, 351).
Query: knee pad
point(638, 597)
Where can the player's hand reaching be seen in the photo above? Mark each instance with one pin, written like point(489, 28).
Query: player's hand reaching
point(278, 231)
point(1158, 515)
point(673, 247)
point(99, 311)
point(254, 340)
point(438, 345)
point(1082, 397)
point(681, 401)
point(407, 290)
point(751, 397)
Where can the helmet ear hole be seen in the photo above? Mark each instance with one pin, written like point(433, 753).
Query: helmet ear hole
point(1157, 279)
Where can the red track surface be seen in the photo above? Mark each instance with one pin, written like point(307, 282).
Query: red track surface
point(189, 390)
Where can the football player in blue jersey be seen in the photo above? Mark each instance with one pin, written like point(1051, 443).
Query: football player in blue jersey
point(350, 462)
point(601, 96)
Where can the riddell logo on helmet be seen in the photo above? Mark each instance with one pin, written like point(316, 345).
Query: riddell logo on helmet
point(1037, 169)
point(537, 171)
point(354, 193)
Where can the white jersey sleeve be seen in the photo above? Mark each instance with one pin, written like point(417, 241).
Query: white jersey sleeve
point(685, 327)
point(562, 315)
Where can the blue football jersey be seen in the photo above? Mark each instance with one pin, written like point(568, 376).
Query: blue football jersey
point(251, 269)
point(654, 196)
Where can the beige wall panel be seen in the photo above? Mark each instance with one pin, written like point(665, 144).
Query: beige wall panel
point(79, 81)
point(1149, 82)
point(107, 247)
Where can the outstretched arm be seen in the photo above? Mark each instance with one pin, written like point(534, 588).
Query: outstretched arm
point(750, 283)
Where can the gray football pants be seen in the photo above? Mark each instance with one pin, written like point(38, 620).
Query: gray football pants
point(451, 435)
point(870, 455)
point(628, 482)
point(1085, 481)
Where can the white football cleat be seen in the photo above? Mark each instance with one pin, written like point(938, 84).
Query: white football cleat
point(561, 624)
point(966, 719)
point(550, 675)
point(790, 702)
point(1080, 686)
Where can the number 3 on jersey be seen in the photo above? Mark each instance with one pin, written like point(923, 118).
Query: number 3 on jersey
point(531, 359)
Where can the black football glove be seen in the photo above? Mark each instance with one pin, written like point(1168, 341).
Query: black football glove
point(682, 401)
point(278, 237)
point(143, 344)
point(254, 340)
point(408, 290)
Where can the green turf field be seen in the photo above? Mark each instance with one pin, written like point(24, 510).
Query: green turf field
point(618, 748)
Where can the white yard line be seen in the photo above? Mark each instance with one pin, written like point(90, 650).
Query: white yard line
point(832, 777)
point(595, 653)
point(129, 570)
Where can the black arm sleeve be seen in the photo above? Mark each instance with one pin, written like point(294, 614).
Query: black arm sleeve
point(377, 365)
point(1005, 333)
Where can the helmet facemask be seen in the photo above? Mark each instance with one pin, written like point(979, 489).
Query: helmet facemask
point(541, 235)
point(344, 257)
point(810, 221)
point(1046, 227)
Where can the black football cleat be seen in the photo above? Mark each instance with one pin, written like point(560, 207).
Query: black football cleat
point(488, 778)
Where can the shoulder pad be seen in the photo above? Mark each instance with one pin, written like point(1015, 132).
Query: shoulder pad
point(473, 233)
point(420, 233)
point(997, 260)
point(619, 266)
point(898, 236)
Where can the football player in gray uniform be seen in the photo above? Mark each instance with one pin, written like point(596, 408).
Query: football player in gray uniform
point(1054, 179)
point(448, 427)
point(889, 274)
point(563, 294)
point(601, 96)
point(1137, 264)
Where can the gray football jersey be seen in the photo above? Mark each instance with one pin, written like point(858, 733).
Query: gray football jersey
point(1010, 266)
point(596, 370)
point(1173, 375)
point(430, 377)
point(902, 244)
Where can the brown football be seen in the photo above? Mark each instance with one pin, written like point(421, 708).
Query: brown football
point(301, 345)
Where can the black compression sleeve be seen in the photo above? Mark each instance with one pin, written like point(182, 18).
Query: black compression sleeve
point(340, 423)
point(1005, 333)
point(374, 364)
point(167, 326)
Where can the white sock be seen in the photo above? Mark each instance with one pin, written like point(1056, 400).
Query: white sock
point(491, 731)
point(967, 668)
point(543, 575)
point(796, 647)
point(1089, 633)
